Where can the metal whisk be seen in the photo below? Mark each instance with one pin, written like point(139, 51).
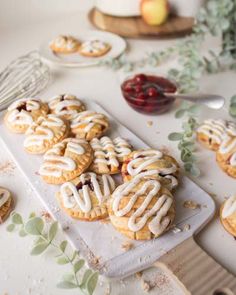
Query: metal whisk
point(25, 76)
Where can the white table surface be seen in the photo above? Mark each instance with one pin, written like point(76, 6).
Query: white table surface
point(22, 30)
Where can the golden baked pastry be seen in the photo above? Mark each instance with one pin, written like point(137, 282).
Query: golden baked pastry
point(94, 48)
point(226, 156)
point(44, 133)
point(141, 209)
point(228, 215)
point(212, 132)
point(66, 106)
point(6, 204)
point(66, 160)
point(23, 112)
point(151, 163)
point(89, 124)
point(85, 197)
point(109, 154)
point(64, 44)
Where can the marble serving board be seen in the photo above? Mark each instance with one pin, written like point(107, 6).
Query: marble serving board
point(98, 241)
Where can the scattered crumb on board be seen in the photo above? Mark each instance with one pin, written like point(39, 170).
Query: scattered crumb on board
point(7, 168)
point(127, 245)
point(189, 204)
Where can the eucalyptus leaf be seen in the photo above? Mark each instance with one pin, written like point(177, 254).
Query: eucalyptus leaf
point(180, 113)
point(63, 260)
point(92, 283)
point(85, 278)
point(66, 285)
point(69, 277)
point(53, 231)
point(74, 255)
point(195, 171)
point(22, 233)
point(63, 246)
point(32, 215)
point(34, 226)
point(39, 248)
point(78, 265)
point(175, 136)
point(16, 218)
point(10, 227)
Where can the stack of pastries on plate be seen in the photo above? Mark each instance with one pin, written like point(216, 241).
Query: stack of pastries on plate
point(82, 159)
point(66, 44)
point(220, 136)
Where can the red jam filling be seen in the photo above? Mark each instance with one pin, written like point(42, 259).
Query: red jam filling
point(146, 93)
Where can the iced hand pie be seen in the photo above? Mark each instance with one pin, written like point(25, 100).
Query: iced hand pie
point(44, 133)
point(89, 124)
point(23, 112)
point(6, 204)
point(151, 163)
point(66, 160)
point(141, 209)
point(226, 156)
point(212, 132)
point(94, 48)
point(228, 215)
point(85, 197)
point(109, 154)
point(66, 106)
point(64, 44)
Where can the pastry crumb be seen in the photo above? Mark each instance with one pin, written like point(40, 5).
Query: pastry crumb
point(186, 227)
point(189, 204)
point(149, 123)
point(145, 286)
point(176, 230)
point(126, 246)
point(7, 168)
point(139, 274)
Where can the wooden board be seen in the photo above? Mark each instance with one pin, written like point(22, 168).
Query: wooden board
point(135, 27)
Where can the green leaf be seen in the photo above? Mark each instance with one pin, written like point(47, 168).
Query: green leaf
point(175, 136)
point(78, 265)
point(180, 113)
point(66, 285)
point(92, 283)
point(39, 248)
point(10, 227)
point(16, 218)
point(69, 277)
point(63, 260)
point(86, 276)
point(53, 231)
point(233, 99)
point(34, 226)
point(63, 246)
point(22, 233)
point(74, 255)
point(188, 166)
point(32, 215)
point(194, 109)
point(195, 171)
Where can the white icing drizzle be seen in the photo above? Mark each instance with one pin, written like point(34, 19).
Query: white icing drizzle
point(81, 197)
point(229, 207)
point(229, 146)
point(4, 196)
point(43, 126)
point(54, 163)
point(217, 129)
point(93, 46)
point(159, 211)
point(23, 117)
point(109, 152)
point(88, 118)
point(60, 104)
point(142, 159)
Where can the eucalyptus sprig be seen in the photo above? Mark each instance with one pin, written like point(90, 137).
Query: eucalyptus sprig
point(232, 106)
point(186, 145)
point(45, 234)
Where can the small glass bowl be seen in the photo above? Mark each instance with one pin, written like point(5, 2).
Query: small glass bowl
point(156, 104)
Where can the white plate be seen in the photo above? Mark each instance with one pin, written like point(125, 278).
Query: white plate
point(118, 46)
point(97, 239)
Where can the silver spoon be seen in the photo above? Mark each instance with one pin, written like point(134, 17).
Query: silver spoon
point(212, 101)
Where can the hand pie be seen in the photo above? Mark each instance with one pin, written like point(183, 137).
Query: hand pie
point(89, 124)
point(228, 215)
point(6, 204)
point(66, 160)
point(141, 209)
point(85, 197)
point(23, 112)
